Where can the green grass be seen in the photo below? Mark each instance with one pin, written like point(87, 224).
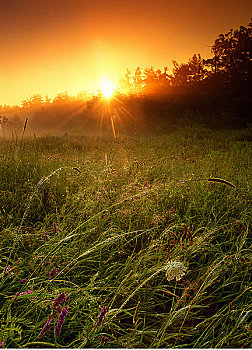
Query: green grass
point(133, 206)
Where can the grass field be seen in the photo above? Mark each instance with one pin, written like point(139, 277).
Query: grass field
point(125, 243)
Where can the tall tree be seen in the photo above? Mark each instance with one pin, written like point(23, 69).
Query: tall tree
point(233, 55)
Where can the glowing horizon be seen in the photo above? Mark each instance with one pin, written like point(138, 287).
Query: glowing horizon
point(53, 46)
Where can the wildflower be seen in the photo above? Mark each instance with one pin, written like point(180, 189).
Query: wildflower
point(46, 235)
point(145, 184)
point(54, 228)
point(23, 280)
point(7, 269)
point(59, 299)
point(105, 339)
point(52, 273)
point(1, 344)
point(23, 293)
point(102, 315)
point(58, 309)
point(175, 269)
point(46, 327)
point(60, 321)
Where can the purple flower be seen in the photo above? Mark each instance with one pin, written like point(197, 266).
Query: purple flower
point(7, 269)
point(54, 228)
point(102, 315)
point(52, 273)
point(59, 299)
point(1, 344)
point(58, 309)
point(46, 235)
point(23, 280)
point(46, 327)
point(60, 321)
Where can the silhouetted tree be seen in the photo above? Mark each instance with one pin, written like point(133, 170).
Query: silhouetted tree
point(125, 83)
point(233, 55)
point(191, 72)
point(138, 80)
point(62, 97)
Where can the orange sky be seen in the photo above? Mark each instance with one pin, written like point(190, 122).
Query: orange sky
point(49, 46)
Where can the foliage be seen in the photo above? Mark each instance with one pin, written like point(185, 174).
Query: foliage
point(104, 236)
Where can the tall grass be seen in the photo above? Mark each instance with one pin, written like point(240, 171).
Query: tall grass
point(116, 235)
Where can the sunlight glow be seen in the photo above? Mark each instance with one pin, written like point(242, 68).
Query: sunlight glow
point(107, 88)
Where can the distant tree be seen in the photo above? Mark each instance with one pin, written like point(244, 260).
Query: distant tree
point(192, 72)
point(233, 55)
point(62, 97)
point(138, 80)
point(25, 104)
point(47, 100)
point(150, 77)
point(125, 83)
point(155, 81)
point(164, 78)
point(35, 101)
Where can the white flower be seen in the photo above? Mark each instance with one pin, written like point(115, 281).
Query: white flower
point(175, 269)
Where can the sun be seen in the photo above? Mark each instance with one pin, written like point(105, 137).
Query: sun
point(107, 88)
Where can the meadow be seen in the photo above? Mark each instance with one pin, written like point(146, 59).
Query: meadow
point(126, 242)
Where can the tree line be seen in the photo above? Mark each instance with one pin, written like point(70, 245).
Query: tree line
point(230, 67)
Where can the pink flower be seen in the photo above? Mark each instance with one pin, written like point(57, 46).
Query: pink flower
point(23, 293)
point(52, 273)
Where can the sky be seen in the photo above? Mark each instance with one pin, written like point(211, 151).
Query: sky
point(51, 46)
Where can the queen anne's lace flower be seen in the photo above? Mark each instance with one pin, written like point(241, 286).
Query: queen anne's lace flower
point(175, 269)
